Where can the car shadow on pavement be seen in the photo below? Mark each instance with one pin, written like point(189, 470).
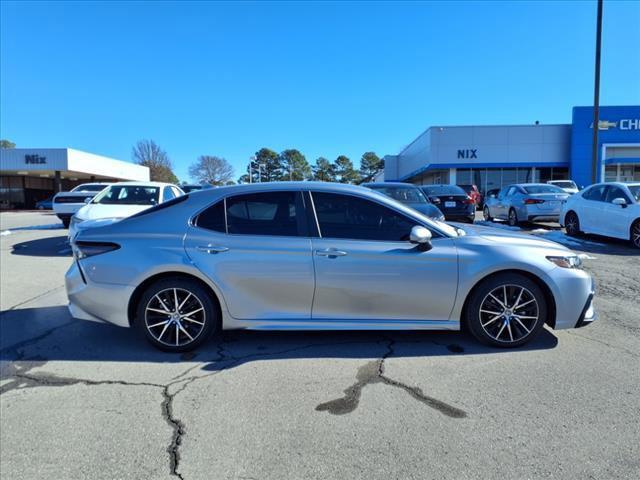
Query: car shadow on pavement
point(50, 334)
point(43, 247)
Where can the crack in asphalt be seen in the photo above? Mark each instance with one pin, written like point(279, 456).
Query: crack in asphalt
point(373, 372)
point(44, 294)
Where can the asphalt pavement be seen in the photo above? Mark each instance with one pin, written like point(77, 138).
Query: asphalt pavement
point(86, 400)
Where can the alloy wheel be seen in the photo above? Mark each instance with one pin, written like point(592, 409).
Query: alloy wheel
point(509, 313)
point(635, 234)
point(571, 224)
point(513, 218)
point(486, 214)
point(175, 317)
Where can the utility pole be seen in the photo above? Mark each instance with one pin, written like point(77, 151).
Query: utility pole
point(251, 160)
point(596, 98)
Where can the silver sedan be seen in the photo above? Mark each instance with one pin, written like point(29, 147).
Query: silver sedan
point(318, 256)
point(525, 202)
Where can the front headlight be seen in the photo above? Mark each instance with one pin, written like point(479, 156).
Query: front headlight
point(569, 261)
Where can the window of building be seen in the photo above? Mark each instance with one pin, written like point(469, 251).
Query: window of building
point(346, 216)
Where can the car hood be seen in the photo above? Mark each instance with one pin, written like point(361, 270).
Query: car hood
point(510, 238)
point(94, 211)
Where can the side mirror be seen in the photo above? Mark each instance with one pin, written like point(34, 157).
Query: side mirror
point(620, 201)
point(88, 199)
point(421, 236)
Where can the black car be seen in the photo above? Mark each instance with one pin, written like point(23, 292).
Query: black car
point(453, 201)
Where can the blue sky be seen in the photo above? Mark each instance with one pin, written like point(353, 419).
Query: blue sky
point(327, 78)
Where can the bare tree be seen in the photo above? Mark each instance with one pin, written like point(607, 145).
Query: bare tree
point(149, 154)
point(211, 169)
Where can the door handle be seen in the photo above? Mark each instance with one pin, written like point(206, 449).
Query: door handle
point(212, 249)
point(331, 253)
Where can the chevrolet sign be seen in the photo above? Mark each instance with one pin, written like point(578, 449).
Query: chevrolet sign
point(624, 124)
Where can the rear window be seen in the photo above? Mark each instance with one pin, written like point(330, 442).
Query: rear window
point(533, 189)
point(567, 184)
point(443, 190)
point(162, 206)
point(89, 188)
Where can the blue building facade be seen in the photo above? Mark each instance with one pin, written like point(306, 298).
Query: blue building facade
point(492, 156)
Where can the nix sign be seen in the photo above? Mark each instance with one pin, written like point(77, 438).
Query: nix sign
point(34, 159)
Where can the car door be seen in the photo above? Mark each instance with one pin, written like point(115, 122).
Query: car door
point(590, 212)
point(499, 209)
point(366, 269)
point(617, 216)
point(256, 249)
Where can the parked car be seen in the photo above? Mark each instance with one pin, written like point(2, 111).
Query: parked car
point(121, 200)
point(408, 194)
point(526, 202)
point(188, 188)
point(45, 204)
point(318, 256)
point(65, 204)
point(473, 193)
point(609, 209)
point(453, 201)
point(569, 186)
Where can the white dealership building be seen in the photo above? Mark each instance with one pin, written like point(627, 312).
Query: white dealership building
point(28, 175)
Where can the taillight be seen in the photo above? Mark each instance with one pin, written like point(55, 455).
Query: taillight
point(90, 249)
point(468, 200)
point(532, 201)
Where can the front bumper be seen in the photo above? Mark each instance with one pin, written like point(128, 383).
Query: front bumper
point(97, 302)
point(588, 314)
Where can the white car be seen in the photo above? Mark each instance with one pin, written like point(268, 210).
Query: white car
point(569, 186)
point(65, 204)
point(609, 209)
point(119, 201)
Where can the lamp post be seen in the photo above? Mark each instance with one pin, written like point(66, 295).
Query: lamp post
point(251, 160)
point(596, 97)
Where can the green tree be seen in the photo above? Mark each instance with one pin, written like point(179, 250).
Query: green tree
point(211, 169)
point(266, 167)
point(294, 165)
point(370, 166)
point(324, 170)
point(7, 144)
point(345, 173)
point(149, 154)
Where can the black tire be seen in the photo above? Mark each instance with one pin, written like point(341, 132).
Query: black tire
point(66, 222)
point(512, 218)
point(634, 233)
point(199, 325)
point(572, 224)
point(486, 329)
point(487, 214)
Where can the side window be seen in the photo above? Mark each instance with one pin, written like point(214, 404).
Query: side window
point(213, 218)
point(176, 192)
point(512, 191)
point(346, 216)
point(167, 194)
point(502, 193)
point(267, 213)
point(595, 193)
point(615, 192)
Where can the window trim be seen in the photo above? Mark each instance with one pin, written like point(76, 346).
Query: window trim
point(437, 235)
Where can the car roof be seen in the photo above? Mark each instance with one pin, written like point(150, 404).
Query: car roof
point(389, 184)
point(619, 184)
point(145, 184)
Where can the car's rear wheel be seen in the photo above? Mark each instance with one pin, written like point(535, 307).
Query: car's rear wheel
point(486, 214)
point(513, 218)
point(572, 224)
point(177, 314)
point(635, 233)
point(506, 310)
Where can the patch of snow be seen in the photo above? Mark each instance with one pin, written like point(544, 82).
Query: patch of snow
point(5, 232)
point(503, 226)
point(559, 237)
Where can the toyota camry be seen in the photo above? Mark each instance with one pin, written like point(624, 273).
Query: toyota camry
point(318, 256)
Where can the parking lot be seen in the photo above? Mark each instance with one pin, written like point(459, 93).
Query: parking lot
point(87, 400)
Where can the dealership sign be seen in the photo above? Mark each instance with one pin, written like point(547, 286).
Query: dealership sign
point(624, 124)
point(34, 159)
point(468, 153)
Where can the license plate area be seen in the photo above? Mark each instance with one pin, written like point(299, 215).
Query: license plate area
point(450, 204)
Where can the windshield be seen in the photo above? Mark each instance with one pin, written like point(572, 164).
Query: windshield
point(443, 190)
point(543, 189)
point(89, 188)
point(403, 194)
point(567, 184)
point(635, 192)
point(128, 195)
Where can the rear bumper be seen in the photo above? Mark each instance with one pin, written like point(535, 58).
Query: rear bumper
point(97, 302)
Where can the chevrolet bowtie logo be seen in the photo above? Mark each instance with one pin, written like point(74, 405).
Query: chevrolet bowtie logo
point(605, 125)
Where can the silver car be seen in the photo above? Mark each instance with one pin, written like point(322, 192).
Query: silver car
point(318, 256)
point(525, 202)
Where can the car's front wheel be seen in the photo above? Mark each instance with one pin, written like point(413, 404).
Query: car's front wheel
point(572, 224)
point(486, 214)
point(513, 218)
point(506, 310)
point(635, 233)
point(177, 314)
